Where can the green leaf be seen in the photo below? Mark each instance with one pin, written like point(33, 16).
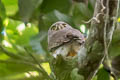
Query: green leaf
point(60, 5)
point(2, 17)
point(115, 47)
point(103, 75)
point(81, 13)
point(3, 56)
point(11, 6)
point(75, 75)
point(26, 35)
point(18, 33)
point(2, 11)
point(8, 69)
point(91, 5)
point(26, 8)
point(55, 16)
point(1, 29)
point(35, 42)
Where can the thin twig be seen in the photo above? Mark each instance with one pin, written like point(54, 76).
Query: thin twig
point(97, 16)
point(13, 55)
point(94, 18)
point(9, 53)
point(20, 62)
point(37, 62)
point(103, 7)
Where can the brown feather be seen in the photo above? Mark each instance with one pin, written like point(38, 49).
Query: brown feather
point(64, 35)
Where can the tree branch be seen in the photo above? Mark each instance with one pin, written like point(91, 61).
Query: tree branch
point(40, 67)
point(10, 54)
point(21, 62)
point(100, 36)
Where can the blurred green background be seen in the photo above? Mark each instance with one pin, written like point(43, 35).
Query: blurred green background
point(23, 31)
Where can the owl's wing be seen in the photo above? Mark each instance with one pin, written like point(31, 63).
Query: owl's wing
point(62, 37)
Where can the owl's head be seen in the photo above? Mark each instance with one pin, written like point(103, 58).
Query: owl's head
point(59, 26)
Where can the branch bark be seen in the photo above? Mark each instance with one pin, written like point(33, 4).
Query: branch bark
point(100, 36)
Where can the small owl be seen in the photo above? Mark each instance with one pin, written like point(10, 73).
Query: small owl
point(64, 40)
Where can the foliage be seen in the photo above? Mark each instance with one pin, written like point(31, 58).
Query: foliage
point(23, 35)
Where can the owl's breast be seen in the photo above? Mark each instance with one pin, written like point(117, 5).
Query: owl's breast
point(68, 50)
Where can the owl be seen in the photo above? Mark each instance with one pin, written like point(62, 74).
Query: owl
point(64, 40)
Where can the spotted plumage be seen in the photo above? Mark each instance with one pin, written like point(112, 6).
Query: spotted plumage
point(58, 26)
